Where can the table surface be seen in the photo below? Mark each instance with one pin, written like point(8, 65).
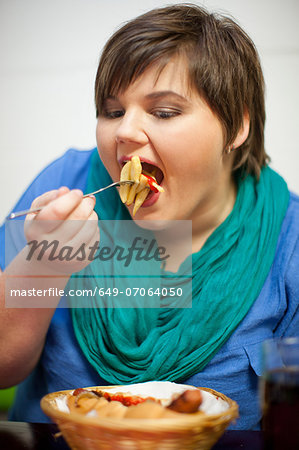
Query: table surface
point(41, 436)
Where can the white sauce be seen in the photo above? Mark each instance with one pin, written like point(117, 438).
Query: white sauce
point(61, 404)
point(163, 390)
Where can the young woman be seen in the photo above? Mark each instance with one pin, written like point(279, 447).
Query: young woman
point(183, 90)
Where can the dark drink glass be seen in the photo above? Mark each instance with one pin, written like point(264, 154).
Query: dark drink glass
point(280, 394)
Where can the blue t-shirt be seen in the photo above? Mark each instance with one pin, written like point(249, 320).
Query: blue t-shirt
point(235, 369)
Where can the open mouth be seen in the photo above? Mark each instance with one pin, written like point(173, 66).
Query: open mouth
point(149, 169)
point(147, 179)
point(152, 170)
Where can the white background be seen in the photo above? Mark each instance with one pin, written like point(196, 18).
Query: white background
point(49, 52)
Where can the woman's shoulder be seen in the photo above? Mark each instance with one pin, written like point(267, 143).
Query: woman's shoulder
point(70, 169)
point(287, 251)
point(285, 269)
point(290, 233)
point(290, 226)
point(293, 208)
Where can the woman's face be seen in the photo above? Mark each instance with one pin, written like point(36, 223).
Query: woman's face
point(168, 125)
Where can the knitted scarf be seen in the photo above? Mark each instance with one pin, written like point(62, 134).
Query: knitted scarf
point(164, 342)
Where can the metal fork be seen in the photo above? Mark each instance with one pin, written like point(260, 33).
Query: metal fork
point(36, 210)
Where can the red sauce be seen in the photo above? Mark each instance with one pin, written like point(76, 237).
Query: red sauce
point(125, 400)
point(150, 181)
point(79, 391)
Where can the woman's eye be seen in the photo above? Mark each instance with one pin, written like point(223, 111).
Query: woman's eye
point(165, 114)
point(113, 114)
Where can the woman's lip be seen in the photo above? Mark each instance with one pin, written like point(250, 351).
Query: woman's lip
point(153, 199)
point(123, 159)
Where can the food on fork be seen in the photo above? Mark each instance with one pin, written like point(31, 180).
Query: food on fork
point(125, 176)
point(143, 183)
point(136, 169)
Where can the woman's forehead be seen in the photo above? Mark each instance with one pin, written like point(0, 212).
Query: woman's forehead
point(164, 75)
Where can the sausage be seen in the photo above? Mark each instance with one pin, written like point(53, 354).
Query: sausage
point(188, 402)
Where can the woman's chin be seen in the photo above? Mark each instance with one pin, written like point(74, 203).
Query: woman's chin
point(152, 224)
point(150, 218)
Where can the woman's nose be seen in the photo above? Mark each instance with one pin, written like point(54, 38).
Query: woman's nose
point(131, 129)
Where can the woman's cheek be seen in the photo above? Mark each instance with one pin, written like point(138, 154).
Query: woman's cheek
point(105, 141)
point(107, 156)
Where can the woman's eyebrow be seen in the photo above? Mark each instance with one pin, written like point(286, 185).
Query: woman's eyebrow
point(162, 94)
point(157, 95)
point(111, 97)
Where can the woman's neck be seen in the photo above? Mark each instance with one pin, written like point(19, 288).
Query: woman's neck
point(185, 238)
point(216, 209)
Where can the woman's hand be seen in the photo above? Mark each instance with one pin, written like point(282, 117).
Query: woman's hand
point(60, 235)
point(68, 220)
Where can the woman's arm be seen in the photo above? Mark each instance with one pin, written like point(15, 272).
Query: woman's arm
point(23, 329)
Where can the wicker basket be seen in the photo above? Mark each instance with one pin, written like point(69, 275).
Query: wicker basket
point(190, 431)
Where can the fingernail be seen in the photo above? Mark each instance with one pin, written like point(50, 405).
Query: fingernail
point(92, 197)
point(78, 192)
point(63, 189)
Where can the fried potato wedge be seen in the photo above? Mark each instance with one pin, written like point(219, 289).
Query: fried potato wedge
point(136, 169)
point(131, 194)
point(143, 183)
point(140, 198)
point(149, 410)
point(112, 409)
point(124, 176)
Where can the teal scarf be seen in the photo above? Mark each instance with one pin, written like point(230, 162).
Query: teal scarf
point(129, 345)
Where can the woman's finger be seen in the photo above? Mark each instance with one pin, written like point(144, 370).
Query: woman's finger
point(53, 213)
point(76, 221)
point(64, 255)
point(45, 199)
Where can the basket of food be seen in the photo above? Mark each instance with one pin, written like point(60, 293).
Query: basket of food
point(152, 415)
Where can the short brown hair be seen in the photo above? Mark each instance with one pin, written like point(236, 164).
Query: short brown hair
point(224, 68)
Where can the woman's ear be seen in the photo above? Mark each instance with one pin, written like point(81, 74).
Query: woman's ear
point(243, 131)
